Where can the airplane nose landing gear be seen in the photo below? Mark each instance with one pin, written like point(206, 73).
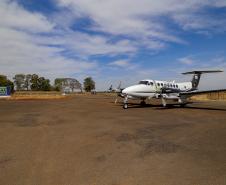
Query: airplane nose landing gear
point(125, 105)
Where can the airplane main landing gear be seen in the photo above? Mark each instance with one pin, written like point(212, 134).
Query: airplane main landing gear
point(142, 103)
point(183, 105)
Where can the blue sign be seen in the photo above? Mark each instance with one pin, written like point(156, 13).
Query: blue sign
point(5, 91)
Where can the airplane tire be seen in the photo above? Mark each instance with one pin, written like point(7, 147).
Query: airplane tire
point(183, 105)
point(125, 106)
point(142, 103)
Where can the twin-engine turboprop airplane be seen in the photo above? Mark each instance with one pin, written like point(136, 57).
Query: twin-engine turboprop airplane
point(180, 92)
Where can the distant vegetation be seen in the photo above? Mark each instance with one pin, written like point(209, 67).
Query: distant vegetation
point(31, 82)
point(89, 84)
point(34, 82)
point(67, 84)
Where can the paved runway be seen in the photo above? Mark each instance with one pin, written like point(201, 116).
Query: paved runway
point(88, 140)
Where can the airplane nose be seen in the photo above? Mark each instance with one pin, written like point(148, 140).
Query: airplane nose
point(132, 89)
point(129, 90)
point(125, 91)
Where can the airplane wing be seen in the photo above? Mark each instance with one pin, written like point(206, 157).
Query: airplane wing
point(192, 93)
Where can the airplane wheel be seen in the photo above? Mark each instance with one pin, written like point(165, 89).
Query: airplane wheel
point(142, 103)
point(182, 105)
point(125, 106)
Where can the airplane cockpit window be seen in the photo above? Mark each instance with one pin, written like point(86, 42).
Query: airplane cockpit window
point(143, 82)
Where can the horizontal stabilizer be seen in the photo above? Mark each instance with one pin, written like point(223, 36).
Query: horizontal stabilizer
point(201, 72)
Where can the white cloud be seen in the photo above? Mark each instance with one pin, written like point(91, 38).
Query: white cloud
point(24, 50)
point(85, 44)
point(141, 19)
point(187, 60)
point(204, 24)
point(120, 63)
point(14, 16)
point(20, 55)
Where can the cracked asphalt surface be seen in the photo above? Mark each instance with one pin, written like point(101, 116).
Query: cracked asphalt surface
point(89, 140)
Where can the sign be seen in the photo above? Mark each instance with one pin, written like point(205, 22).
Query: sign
point(5, 91)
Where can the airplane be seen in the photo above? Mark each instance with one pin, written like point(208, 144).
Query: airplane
point(164, 90)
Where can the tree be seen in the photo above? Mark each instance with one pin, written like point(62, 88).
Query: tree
point(89, 84)
point(39, 83)
point(6, 82)
point(19, 81)
point(58, 82)
point(74, 84)
point(44, 84)
point(67, 83)
point(34, 82)
point(27, 82)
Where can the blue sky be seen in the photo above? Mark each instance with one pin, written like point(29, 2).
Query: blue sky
point(114, 40)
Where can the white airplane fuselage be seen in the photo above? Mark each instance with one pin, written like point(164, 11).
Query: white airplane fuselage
point(149, 88)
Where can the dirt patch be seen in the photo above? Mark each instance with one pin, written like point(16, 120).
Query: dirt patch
point(87, 139)
point(29, 120)
point(4, 161)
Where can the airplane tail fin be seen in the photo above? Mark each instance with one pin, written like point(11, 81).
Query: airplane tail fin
point(110, 88)
point(197, 75)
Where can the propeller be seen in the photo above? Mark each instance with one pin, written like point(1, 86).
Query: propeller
point(160, 91)
point(118, 92)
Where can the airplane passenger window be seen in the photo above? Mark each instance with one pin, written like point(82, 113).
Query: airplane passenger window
point(151, 83)
point(176, 86)
point(171, 85)
point(162, 84)
point(158, 84)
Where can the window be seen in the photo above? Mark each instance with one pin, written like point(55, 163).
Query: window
point(173, 86)
point(158, 84)
point(143, 82)
point(151, 83)
point(162, 84)
point(176, 86)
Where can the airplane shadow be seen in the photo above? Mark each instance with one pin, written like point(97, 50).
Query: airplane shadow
point(171, 106)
